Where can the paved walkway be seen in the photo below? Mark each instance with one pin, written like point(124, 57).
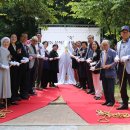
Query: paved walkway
point(56, 116)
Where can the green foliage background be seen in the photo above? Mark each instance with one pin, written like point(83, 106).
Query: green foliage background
point(17, 16)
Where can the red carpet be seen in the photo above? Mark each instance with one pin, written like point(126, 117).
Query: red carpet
point(42, 99)
point(85, 105)
point(80, 102)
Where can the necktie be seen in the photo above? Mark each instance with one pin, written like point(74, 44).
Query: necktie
point(34, 49)
point(105, 57)
point(39, 48)
point(25, 48)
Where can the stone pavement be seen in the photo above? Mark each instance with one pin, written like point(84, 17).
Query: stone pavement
point(56, 116)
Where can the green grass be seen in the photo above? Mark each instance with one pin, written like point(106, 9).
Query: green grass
point(117, 92)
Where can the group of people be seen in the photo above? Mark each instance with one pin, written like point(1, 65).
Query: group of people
point(97, 66)
point(24, 66)
point(27, 64)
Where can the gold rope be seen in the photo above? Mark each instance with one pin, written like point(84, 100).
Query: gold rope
point(106, 115)
point(98, 69)
point(112, 115)
point(4, 112)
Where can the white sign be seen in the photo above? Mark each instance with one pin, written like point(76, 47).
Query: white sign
point(60, 34)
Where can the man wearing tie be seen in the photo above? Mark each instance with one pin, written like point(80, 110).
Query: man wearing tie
point(108, 72)
point(123, 59)
point(32, 65)
point(54, 65)
point(40, 51)
point(24, 67)
point(89, 55)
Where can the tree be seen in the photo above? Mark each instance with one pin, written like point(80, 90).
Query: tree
point(25, 15)
point(108, 14)
point(63, 13)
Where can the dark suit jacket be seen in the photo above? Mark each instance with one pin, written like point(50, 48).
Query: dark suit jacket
point(89, 53)
point(14, 53)
point(23, 52)
point(46, 63)
point(74, 61)
point(82, 65)
point(111, 72)
point(54, 65)
point(84, 51)
point(24, 67)
point(96, 58)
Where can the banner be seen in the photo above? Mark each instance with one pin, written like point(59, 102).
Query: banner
point(60, 34)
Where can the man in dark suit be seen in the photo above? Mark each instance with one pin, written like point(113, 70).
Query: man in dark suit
point(54, 65)
point(108, 72)
point(82, 65)
point(24, 67)
point(89, 55)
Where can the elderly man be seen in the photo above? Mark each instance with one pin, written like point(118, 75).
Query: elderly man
point(32, 64)
point(41, 52)
point(123, 57)
point(24, 67)
point(108, 72)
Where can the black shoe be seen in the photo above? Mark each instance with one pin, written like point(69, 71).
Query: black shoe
point(122, 107)
point(25, 97)
point(13, 99)
point(94, 97)
point(105, 103)
point(84, 89)
point(89, 92)
point(54, 86)
point(79, 86)
point(97, 98)
point(14, 103)
point(92, 93)
point(32, 94)
point(18, 98)
point(39, 89)
point(50, 85)
point(110, 104)
point(44, 88)
point(2, 106)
